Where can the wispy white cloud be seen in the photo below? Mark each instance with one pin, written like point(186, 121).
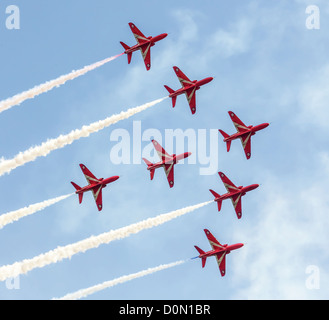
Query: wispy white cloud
point(313, 99)
point(227, 43)
point(288, 234)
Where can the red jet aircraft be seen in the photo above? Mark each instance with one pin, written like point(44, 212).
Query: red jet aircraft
point(244, 133)
point(188, 87)
point(218, 250)
point(95, 185)
point(167, 162)
point(233, 192)
point(144, 44)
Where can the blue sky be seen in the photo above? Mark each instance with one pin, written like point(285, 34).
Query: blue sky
point(268, 67)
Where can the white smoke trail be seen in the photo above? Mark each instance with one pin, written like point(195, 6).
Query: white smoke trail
point(47, 86)
point(26, 211)
point(53, 144)
point(68, 251)
point(107, 284)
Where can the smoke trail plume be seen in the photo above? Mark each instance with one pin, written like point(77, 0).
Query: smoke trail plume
point(68, 251)
point(47, 86)
point(107, 284)
point(53, 144)
point(33, 208)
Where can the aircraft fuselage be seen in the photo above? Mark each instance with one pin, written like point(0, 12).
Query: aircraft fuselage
point(174, 159)
point(195, 85)
point(102, 182)
point(227, 249)
point(241, 190)
point(151, 40)
point(251, 130)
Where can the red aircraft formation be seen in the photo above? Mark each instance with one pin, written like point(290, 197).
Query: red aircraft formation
point(168, 162)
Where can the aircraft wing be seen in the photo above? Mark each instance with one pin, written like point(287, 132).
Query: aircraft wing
point(139, 36)
point(228, 184)
point(239, 125)
point(146, 53)
point(183, 79)
point(246, 144)
point(169, 170)
point(236, 201)
point(97, 193)
point(190, 95)
point(163, 155)
point(213, 241)
point(91, 179)
point(220, 257)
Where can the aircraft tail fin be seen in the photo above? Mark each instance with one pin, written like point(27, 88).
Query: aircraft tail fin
point(225, 135)
point(199, 250)
point(219, 204)
point(203, 258)
point(77, 188)
point(216, 195)
point(126, 47)
point(80, 197)
point(129, 57)
point(169, 89)
point(129, 54)
point(173, 98)
point(152, 174)
point(228, 145)
point(149, 163)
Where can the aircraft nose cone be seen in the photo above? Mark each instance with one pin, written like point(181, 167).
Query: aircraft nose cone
point(238, 245)
point(209, 79)
point(261, 126)
point(111, 179)
point(160, 37)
